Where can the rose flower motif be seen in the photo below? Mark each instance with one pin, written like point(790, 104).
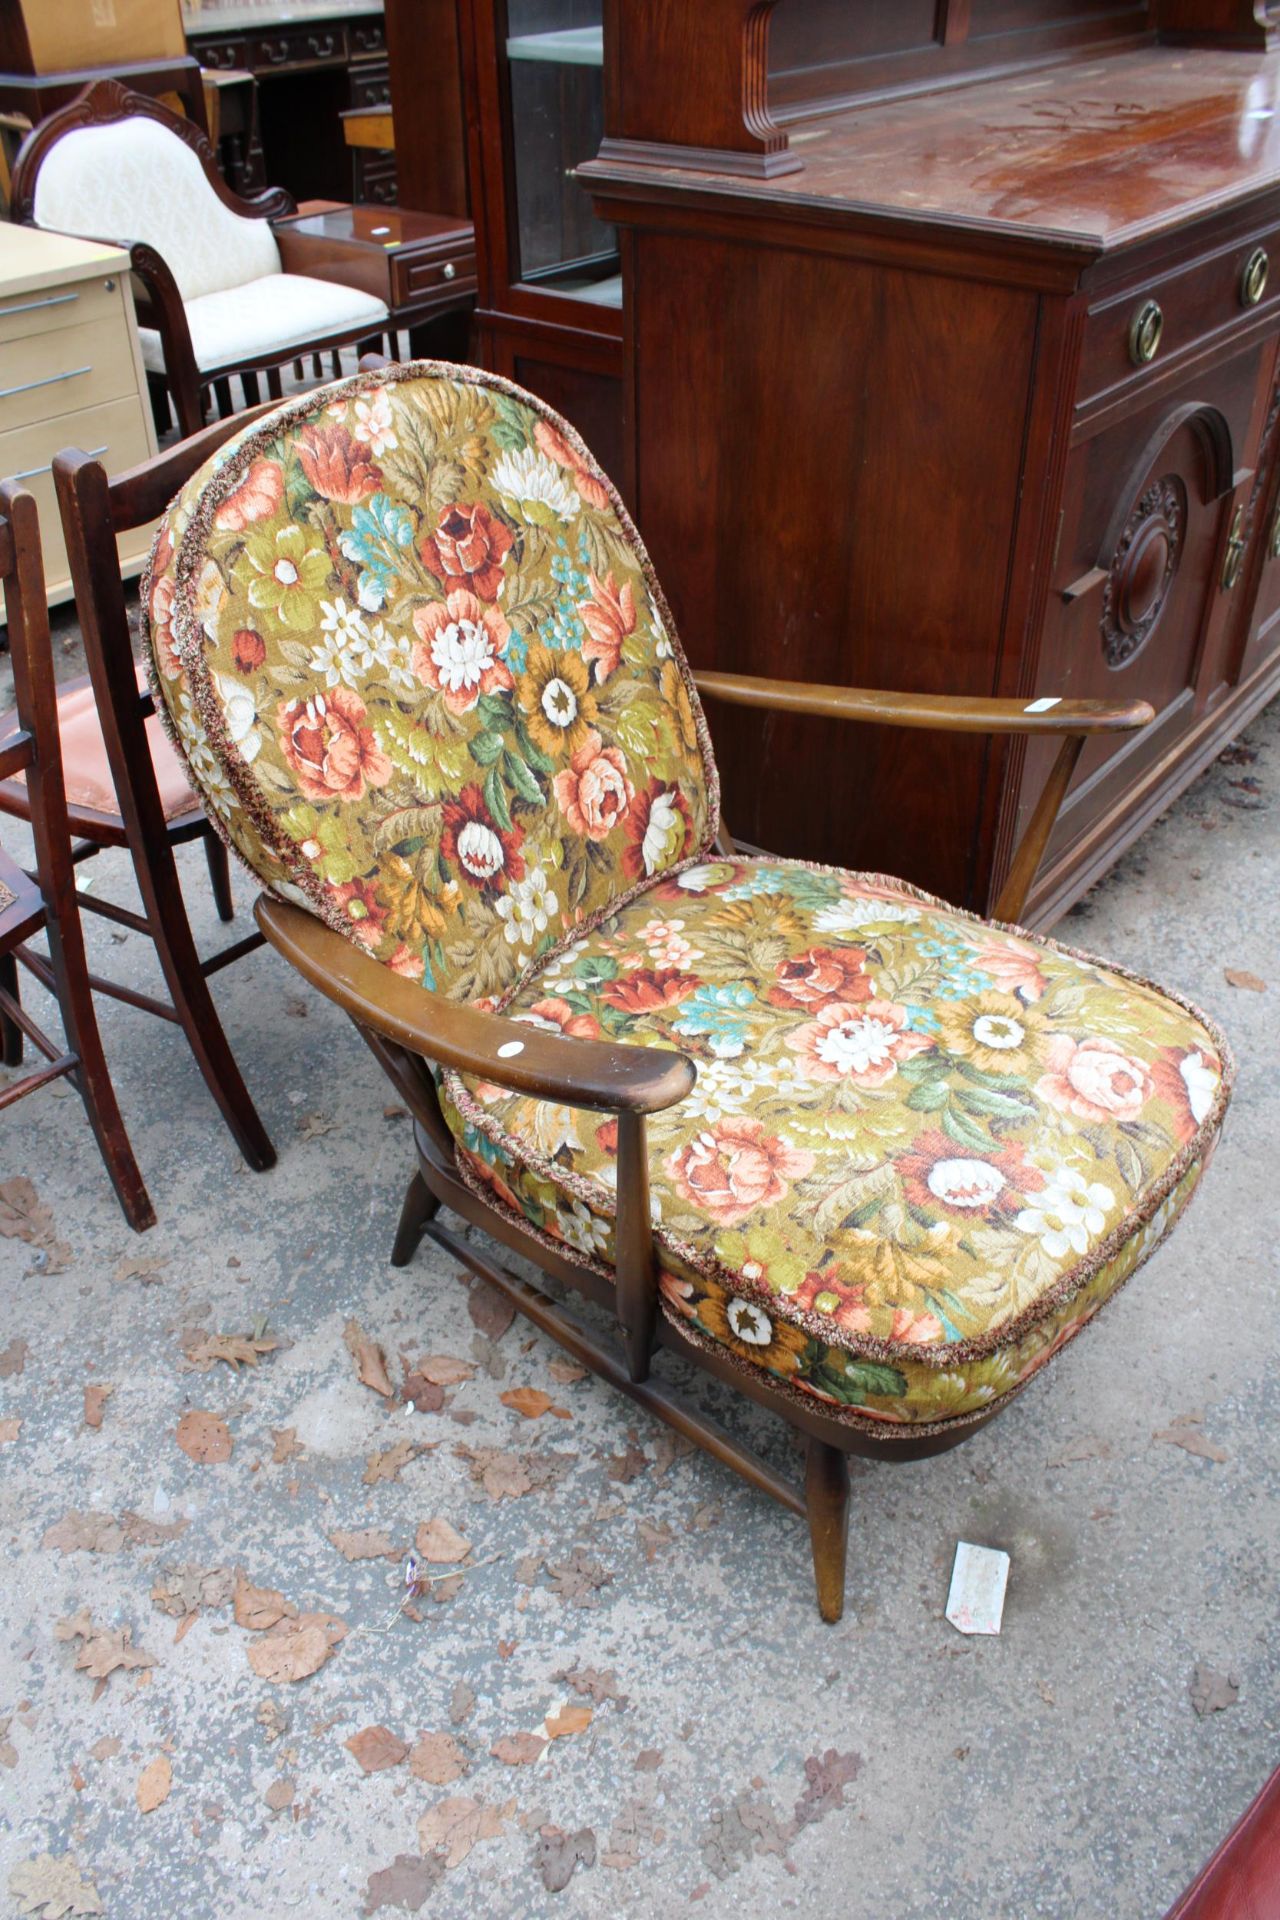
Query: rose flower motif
point(459, 650)
point(332, 753)
point(821, 975)
point(827, 1291)
point(336, 464)
point(557, 1016)
point(471, 840)
point(609, 616)
point(657, 830)
point(467, 550)
point(735, 1167)
point(161, 613)
point(259, 496)
point(594, 793)
point(1188, 1080)
point(645, 989)
point(937, 1175)
point(862, 1042)
point(248, 650)
point(553, 694)
point(1094, 1079)
point(587, 483)
point(1012, 964)
point(358, 900)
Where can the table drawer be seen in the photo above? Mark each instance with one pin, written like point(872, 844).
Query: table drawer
point(50, 309)
point(74, 368)
point(116, 433)
point(413, 280)
point(1131, 337)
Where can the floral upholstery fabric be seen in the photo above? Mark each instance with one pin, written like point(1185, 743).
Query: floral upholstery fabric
point(414, 654)
point(921, 1151)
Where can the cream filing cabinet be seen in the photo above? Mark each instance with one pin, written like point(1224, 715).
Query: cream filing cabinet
point(71, 375)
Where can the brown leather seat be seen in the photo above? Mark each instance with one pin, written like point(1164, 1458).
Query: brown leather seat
point(1242, 1880)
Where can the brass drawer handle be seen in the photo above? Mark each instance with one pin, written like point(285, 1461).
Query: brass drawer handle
point(1253, 279)
point(1236, 544)
point(1144, 333)
point(50, 380)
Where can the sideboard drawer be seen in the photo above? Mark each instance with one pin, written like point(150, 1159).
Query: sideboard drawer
point(79, 367)
point(414, 280)
point(115, 433)
point(49, 309)
point(1131, 337)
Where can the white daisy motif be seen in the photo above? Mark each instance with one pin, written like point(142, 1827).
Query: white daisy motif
point(535, 487)
point(240, 715)
point(462, 653)
point(846, 916)
point(582, 1228)
point(526, 911)
point(374, 426)
point(1068, 1213)
point(749, 1323)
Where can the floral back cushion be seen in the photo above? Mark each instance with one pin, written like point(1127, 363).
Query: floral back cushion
point(414, 655)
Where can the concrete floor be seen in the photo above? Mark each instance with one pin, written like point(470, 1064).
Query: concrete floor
point(740, 1755)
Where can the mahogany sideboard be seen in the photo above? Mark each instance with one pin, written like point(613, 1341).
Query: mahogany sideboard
point(950, 362)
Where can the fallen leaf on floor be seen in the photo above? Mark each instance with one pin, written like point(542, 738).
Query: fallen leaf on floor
point(749, 1824)
point(141, 1532)
point(462, 1702)
point(1237, 977)
point(388, 1465)
point(204, 1437)
point(557, 1854)
point(1193, 1441)
point(53, 1886)
point(371, 1362)
point(281, 1794)
point(423, 1395)
point(508, 1476)
point(24, 1216)
point(286, 1445)
point(1213, 1692)
point(517, 1749)
point(565, 1721)
point(85, 1533)
point(13, 1359)
point(577, 1581)
point(623, 1468)
point(457, 1824)
point(134, 1267)
point(652, 1536)
point(597, 1685)
point(8, 1752)
point(709, 1514)
point(274, 1723)
point(184, 1590)
point(312, 1125)
point(441, 1544)
point(376, 1749)
point(648, 1760)
point(490, 1310)
point(634, 1827)
point(826, 1777)
point(154, 1783)
point(1046, 1693)
point(532, 1403)
point(260, 1608)
point(438, 1759)
point(443, 1370)
point(1090, 1447)
point(566, 1372)
point(104, 1649)
point(105, 1749)
point(364, 1543)
point(297, 1648)
point(95, 1404)
point(234, 1350)
point(407, 1883)
point(10, 1428)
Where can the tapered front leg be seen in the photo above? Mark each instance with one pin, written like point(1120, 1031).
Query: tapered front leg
point(826, 1486)
point(419, 1205)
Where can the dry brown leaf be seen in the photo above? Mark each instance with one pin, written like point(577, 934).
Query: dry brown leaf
point(85, 1533)
point(104, 1650)
point(154, 1783)
point(182, 1591)
point(556, 1854)
point(648, 1760)
point(10, 1428)
point(441, 1544)
point(105, 1749)
point(24, 1216)
point(1213, 1692)
point(259, 1608)
point(371, 1362)
point(532, 1403)
point(287, 1445)
point(438, 1759)
point(204, 1437)
point(95, 1404)
point(406, 1884)
point(1193, 1441)
point(1236, 977)
point(13, 1359)
point(568, 1720)
point(388, 1465)
point(134, 1267)
point(458, 1823)
point(141, 1532)
point(281, 1794)
point(566, 1372)
point(443, 1370)
point(461, 1702)
point(312, 1125)
point(423, 1395)
point(298, 1648)
point(364, 1543)
point(518, 1749)
point(490, 1310)
point(578, 1579)
point(376, 1749)
point(235, 1350)
point(53, 1886)
point(597, 1685)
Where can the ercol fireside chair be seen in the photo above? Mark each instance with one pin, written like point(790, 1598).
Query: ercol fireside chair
point(217, 296)
point(869, 1159)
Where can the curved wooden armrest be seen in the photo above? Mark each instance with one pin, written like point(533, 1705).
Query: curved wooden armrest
point(552, 1066)
point(948, 713)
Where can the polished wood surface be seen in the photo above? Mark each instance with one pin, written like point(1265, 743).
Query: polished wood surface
point(421, 264)
point(424, 60)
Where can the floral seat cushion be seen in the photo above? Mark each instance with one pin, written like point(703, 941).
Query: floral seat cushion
point(921, 1153)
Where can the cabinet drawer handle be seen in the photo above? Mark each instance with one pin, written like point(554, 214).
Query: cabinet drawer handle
point(1236, 544)
point(448, 271)
point(50, 380)
point(30, 306)
point(1253, 280)
point(1144, 333)
point(29, 473)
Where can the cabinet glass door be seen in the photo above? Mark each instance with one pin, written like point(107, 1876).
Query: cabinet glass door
point(555, 60)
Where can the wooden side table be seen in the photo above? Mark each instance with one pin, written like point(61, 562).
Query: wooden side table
point(422, 264)
point(71, 375)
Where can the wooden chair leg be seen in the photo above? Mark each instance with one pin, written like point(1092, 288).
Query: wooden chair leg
point(219, 875)
point(419, 1206)
point(92, 1079)
point(222, 394)
point(826, 1486)
point(11, 1035)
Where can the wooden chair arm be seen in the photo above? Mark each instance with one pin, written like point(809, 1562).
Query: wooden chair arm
point(593, 1074)
point(161, 307)
point(945, 712)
